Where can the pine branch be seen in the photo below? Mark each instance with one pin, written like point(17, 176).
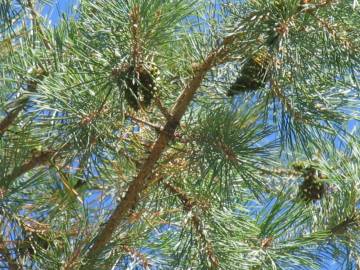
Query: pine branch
point(35, 161)
point(157, 128)
point(162, 109)
point(282, 172)
point(287, 104)
point(132, 196)
point(343, 226)
point(12, 264)
point(37, 26)
point(135, 35)
point(10, 118)
point(73, 261)
point(188, 204)
point(31, 84)
point(144, 261)
point(13, 114)
point(345, 42)
point(154, 126)
point(317, 6)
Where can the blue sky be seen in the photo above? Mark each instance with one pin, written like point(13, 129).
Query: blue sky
point(53, 11)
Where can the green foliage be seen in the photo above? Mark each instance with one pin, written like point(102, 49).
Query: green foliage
point(180, 134)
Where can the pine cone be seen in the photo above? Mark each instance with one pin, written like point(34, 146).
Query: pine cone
point(312, 188)
point(253, 75)
point(138, 86)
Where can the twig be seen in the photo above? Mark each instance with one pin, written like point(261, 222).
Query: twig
point(10, 118)
point(66, 182)
point(144, 261)
point(287, 105)
point(188, 205)
point(31, 85)
point(342, 227)
point(73, 261)
point(156, 127)
point(36, 24)
point(282, 172)
point(12, 264)
point(35, 161)
point(334, 33)
point(162, 109)
point(135, 20)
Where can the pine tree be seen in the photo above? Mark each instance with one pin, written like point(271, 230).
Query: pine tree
point(180, 134)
